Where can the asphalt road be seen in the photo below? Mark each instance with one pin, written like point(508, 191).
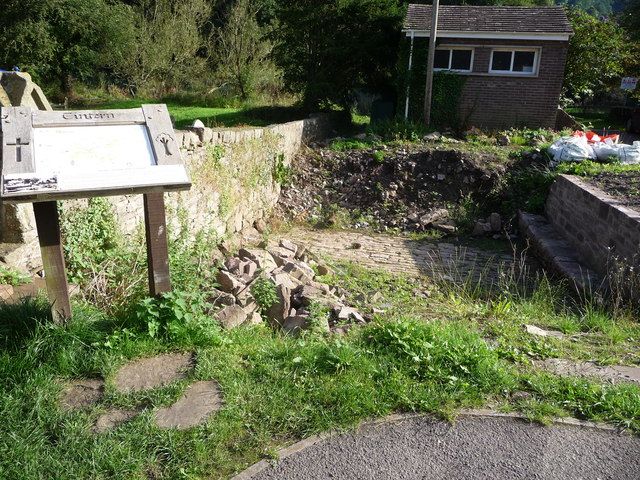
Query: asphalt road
point(473, 448)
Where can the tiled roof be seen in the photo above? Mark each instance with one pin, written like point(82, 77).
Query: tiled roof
point(454, 18)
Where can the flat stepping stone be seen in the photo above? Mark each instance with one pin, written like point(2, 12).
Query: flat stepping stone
point(111, 419)
point(82, 394)
point(148, 373)
point(616, 373)
point(199, 401)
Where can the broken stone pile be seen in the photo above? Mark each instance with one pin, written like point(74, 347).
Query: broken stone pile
point(407, 188)
point(290, 268)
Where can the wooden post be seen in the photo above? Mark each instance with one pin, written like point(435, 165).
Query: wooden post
point(430, 57)
point(157, 248)
point(48, 226)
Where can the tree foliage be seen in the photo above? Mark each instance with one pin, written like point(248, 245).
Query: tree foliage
point(242, 51)
point(60, 39)
point(600, 53)
point(327, 48)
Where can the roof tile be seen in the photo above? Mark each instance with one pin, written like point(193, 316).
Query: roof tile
point(455, 18)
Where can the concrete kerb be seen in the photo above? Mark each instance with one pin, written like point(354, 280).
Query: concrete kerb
point(400, 417)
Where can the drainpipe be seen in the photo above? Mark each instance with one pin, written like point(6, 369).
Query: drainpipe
point(406, 104)
point(432, 52)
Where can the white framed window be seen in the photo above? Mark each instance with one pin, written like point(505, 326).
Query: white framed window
point(454, 59)
point(516, 61)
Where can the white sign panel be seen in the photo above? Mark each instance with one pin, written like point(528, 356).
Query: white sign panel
point(55, 155)
point(629, 83)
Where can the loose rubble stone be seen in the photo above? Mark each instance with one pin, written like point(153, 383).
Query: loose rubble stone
point(324, 270)
point(5, 291)
point(284, 243)
point(346, 314)
point(277, 312)
point(219, 298)
point(495, 221)
point(293, 325)
point(286, 280)
point(231, 316)
point(533, 330)
point(82, 394)
point(481, 228)
point(228, 283)
point(233, 265)
point(299, 271)
point(281, 255)
point(111, 419)
point(147, 373)
point(200, 400)
point(260, 225)
point(263, 259)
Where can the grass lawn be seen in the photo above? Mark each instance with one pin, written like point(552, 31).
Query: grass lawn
point(596, 119)
point(436, 348)
point(213, 117)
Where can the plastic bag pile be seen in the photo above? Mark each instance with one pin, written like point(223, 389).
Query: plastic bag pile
point(589, 146)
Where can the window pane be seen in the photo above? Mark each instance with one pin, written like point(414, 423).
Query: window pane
point(441, 59)
point(523, 61)
point(461, 60)
point(501, 61)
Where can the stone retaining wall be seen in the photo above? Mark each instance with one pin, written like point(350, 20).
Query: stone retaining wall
point(235, 175)
point(594, 223)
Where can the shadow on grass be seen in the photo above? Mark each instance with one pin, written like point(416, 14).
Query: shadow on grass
point(20, 321)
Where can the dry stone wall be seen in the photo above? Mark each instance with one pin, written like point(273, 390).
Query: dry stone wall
point(235, 175)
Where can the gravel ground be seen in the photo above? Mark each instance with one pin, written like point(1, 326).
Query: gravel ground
point(473, 448)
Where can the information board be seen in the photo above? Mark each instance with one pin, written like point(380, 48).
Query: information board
point(54, 155)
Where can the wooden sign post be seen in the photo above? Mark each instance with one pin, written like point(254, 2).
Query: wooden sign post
point(55, 155)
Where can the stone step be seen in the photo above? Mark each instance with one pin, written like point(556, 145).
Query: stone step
point(556, 254)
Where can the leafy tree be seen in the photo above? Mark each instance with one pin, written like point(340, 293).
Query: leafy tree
point(242, 53)
point(600, 52)
point(60, 39)
point(629, 18)
point(164, 44)
point(327, 48)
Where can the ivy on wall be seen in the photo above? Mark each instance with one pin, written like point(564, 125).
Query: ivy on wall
point(447, 87)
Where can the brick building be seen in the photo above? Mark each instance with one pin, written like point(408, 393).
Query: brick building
point(513, 57)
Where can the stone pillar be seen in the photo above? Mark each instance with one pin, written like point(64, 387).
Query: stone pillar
point(18, 237)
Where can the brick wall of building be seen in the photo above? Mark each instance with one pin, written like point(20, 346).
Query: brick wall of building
point(501, 101)
point(596, 226)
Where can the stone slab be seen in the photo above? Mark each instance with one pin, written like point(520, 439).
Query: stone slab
point(200, 400)
point(148, 373)
point(82, 394)
point(111, 419)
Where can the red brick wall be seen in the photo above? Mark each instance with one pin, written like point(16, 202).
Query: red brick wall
point(599, 229)
point(501, 101)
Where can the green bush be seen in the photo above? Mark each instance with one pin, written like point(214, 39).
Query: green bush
point(88, 235)
point(177, 317)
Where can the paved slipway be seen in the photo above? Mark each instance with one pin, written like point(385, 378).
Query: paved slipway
point(395, 254)
point(474, 447)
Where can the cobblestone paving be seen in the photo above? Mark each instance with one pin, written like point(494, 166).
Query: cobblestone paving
point(440, 260)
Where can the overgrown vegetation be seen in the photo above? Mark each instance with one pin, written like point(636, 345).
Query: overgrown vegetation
point(437, 347)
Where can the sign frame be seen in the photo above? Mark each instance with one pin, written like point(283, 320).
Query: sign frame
point(28, 177)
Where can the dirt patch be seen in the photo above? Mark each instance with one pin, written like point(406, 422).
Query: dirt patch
point(199, 401)
point(82, 394)
point(395, 188)
point(623, 186)
point(148, 373)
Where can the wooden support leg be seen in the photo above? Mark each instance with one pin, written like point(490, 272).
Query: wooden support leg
point(48, 226)
point(157, 249)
